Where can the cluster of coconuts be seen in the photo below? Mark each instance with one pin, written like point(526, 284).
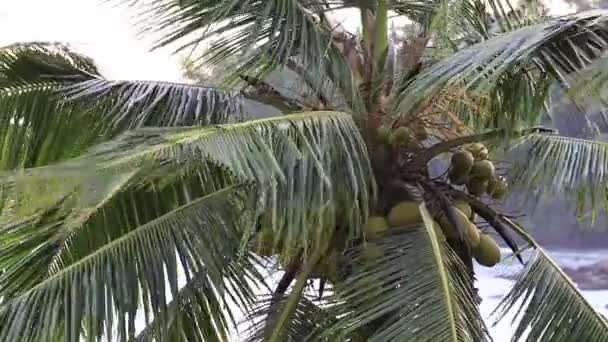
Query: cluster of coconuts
point(406, 214)
point(402, 135)
point(470, 166)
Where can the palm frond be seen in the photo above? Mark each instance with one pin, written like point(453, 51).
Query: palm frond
point(417, 290)
point(48, 94)
point(103, 291)
point(591, 81)
point(548, 306)
point(307, 169)
point(308, 321)
point(131, 104)
point(43, 62)
point(282, 28)
point(190, 316)
point(533, 54)
point(545, 165)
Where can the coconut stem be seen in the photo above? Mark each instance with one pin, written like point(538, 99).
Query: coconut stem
point(445, 146)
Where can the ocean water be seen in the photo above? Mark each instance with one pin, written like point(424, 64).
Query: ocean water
point(493, 287)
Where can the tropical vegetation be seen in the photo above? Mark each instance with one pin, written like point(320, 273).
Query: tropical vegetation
point(141, 210)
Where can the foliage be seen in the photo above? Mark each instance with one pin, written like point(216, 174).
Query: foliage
point(123, 199)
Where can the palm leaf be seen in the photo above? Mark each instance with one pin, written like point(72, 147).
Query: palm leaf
point(546, 165)
point(308, 321)
point(48, 93)
point(279, 28)
point(43, 62)
point(190, 316)
point(106, 288)
point(533, 54)
point(591, 82)
point(548, 306)
point(322, 150)
point(416, 291)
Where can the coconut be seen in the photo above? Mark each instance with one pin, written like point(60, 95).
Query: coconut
point(383, 133)
point(487, 252)
point(483, 169)
point(477, 186)
point(264, 242)
point(464, 207)
point(457, 178)
point(500, 189)
point(375, 226)
point(371, 253)
point(404, 213)
point(472, 235)
point(421, 133)
point(470, 231)
point(478, 150)
point(400, 136)
point(492, 183)
point(327, 268)
point(462, 162)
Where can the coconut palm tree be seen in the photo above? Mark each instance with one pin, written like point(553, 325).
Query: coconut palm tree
point(140, 210)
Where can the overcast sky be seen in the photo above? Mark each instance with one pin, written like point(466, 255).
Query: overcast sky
point(101, 31)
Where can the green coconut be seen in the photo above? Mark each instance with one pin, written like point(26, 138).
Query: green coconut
point(471, 233)
point(327, 267)
point(264, 242)
point(462, 162)
point(458, 178)
point(487, 252)
point(464, 207)
point(404, 213)
point(483, 169)
point(492, 183)
point(375, 225)
point(478, 150)
point(371, 253)
point(500, 189)
point(400, 136)
point(421, 133)
point(383, 133)
point(477, 186)
point(463, 222)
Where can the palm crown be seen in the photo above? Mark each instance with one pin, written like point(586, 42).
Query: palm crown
point(161, 202)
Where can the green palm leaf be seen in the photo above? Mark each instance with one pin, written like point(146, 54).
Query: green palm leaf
point(105, 288)
point(591, 81)
point(322, 150)
point(416, 291)
point(48, 93)
point(545, 165)
point(548, 306)
point(308, 321)
point(43, 62)
point(190, 316)
point(529, 57)
point(279, 28)
point(65, 215)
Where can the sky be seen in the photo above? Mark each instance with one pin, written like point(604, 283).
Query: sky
point(106, 33)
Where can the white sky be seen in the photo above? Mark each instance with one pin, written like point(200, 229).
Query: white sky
point(102, 31)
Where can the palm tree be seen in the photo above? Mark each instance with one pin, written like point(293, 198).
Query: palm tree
point(139, 210)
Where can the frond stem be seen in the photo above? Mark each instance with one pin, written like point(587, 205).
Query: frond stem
point(296, 293)
point(445, 146)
